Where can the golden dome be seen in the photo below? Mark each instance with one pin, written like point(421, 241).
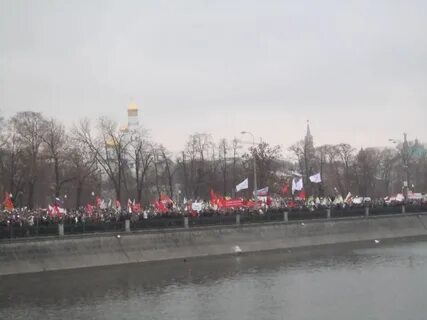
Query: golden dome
point(123, 128)
point(132, 107)
point(111, 143)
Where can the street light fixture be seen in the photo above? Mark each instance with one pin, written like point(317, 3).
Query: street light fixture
point(255, 182)
point(404, 154)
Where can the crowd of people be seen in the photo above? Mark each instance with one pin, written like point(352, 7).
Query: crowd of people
point(109, 214)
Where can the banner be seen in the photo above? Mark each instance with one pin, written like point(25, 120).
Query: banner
point(233, 203)
point(243, 185)
point(316, 178)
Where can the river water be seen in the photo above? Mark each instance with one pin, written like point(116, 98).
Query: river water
point(379, 281)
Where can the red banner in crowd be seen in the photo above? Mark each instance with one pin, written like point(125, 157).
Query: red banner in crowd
point(232, 203)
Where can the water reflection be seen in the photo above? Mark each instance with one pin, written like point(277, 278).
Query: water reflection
point(329, 283)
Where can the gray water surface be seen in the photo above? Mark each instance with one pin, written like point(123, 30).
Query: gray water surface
point(379, 282)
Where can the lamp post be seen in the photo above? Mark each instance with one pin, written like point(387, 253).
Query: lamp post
point(255, 182)
point(404, 153)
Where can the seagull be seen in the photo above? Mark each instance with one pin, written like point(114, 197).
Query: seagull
point(118, 236)
point(377, 241)
point(303, 224)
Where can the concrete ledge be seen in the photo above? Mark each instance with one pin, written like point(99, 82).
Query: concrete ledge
point(70, 252)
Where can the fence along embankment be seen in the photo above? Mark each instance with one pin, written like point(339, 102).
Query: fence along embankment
point(157, 245)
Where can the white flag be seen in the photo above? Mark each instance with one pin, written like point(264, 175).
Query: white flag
point(348, 198)
point(316, 178)
point(297, 185)
point(261, 192)
point(243, 185)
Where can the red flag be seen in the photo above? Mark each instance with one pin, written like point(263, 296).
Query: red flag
point(98, 201)
point(301, 195)
point(54, 211)
point(160, 207)
point(165, 198)
point(292, 204)
point(8, 204)
point(89, 209)
point(214, 198)
point(285, 189)
point(57, 210)
point(136, 207)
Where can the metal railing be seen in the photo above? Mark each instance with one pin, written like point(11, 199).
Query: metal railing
point(16, 231)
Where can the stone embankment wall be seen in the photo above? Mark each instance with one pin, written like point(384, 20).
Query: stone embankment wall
point(101, 250)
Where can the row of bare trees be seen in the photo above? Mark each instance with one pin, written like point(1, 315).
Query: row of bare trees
point(40, 159)
point(369, 171)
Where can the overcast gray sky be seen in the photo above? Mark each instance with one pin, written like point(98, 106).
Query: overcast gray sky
point(356, 69)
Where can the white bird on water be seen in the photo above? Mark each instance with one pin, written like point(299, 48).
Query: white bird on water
point(377, 241)
point(237, 249)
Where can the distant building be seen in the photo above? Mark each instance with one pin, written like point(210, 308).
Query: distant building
point(309, 152)
point(133, 120)
point(128, 133)
point(418, 150)
point(308, 140)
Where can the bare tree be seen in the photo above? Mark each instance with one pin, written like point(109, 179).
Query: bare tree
point(12, 161)
point(235, 146)
point(223, 158)
point(387, 159)
point(30, 128)
point(197, 152)
point(109, 147)
point(366, 169)
point(142, 156)
point(57, 149)
point(169, 170)
point(265, 158)
point(346, 153)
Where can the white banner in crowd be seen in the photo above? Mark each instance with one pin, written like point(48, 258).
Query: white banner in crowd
point(243, 185)
point(197, 206)
point(316, 178)
point(297, 185)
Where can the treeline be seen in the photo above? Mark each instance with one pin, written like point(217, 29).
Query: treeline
point(40, 160)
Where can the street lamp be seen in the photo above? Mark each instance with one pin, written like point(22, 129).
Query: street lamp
point(404, 154)
point(255, 182)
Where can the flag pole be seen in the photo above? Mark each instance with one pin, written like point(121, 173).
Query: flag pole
point(255, 181)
